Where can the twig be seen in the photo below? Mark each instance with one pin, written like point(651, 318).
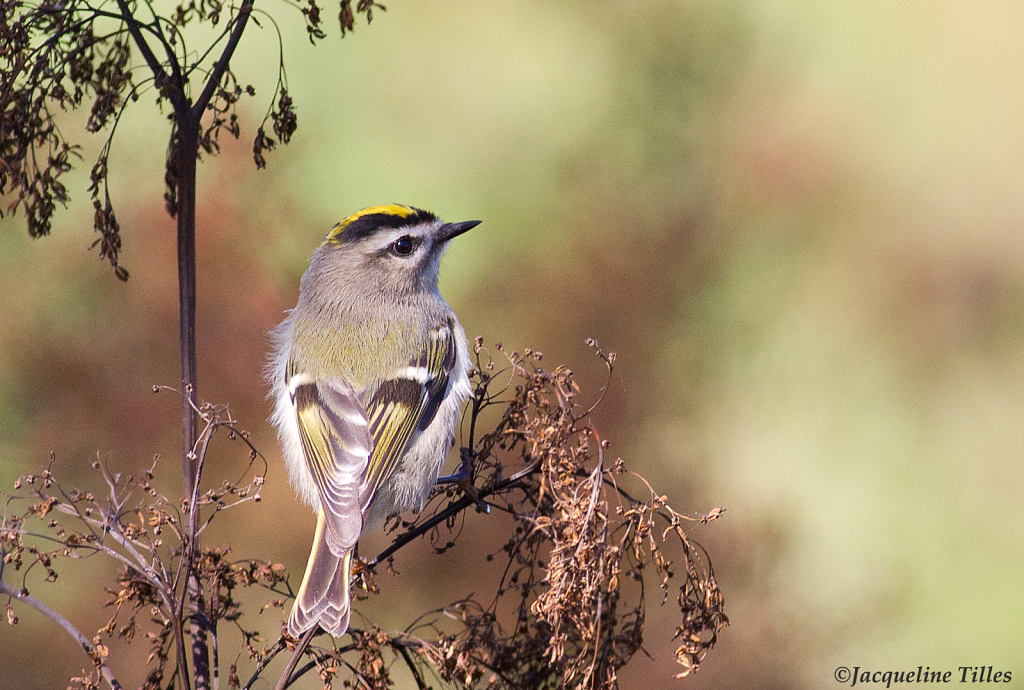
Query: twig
point(420, 683)
point(213, 80)
point(453, 508)
point(285, 679)
point(69, 628)
point(265, 661)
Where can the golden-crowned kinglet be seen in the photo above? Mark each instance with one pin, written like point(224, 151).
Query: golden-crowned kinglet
point(368, 374)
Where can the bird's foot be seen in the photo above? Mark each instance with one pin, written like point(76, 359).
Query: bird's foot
point(463, 477)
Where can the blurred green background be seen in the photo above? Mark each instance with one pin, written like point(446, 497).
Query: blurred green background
point(799, 224)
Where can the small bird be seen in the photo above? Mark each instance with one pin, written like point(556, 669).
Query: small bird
point(368, 375)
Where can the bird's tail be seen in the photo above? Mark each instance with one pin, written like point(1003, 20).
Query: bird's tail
point(323, 597)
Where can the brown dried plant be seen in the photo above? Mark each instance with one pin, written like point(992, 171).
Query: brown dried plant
point(58, 56)
point(584, 540)
point(151, 538)
point(569, 610)
point(61, 56)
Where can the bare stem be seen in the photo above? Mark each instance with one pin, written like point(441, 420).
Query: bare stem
point(300, 649)
point(68, 627)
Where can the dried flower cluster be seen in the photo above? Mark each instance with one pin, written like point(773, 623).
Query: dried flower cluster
point(585, 540)
point(569, 610)
point(148, 535)
point(52, 62)
point(61, 56)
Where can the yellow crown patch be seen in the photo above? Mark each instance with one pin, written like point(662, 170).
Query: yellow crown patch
point(388, 215)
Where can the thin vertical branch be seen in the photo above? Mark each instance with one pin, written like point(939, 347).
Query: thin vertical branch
point(187, 144)
point(187, 151)
point(189, 121)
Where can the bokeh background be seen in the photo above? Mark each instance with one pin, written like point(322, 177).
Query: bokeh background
point(799, 224)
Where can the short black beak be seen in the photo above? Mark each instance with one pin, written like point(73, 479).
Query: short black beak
point(450, 231)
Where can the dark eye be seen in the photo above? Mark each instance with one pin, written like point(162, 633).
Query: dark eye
point(404, 246)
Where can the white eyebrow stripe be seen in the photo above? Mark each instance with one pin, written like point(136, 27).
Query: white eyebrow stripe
point(420, 232)
point(418, 374)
